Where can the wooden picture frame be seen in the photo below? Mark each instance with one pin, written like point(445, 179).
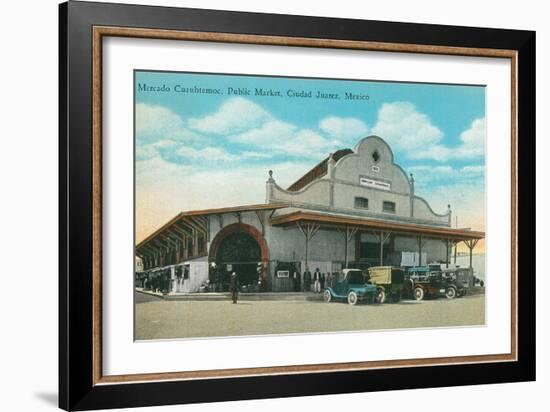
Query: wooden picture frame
point(82, 385)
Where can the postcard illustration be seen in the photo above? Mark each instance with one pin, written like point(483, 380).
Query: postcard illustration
point(277, 205)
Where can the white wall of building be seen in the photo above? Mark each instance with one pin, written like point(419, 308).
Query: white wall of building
point(289, 244)
point(436, 250)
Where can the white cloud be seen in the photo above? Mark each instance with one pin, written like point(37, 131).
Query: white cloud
point(164, 144)
point(432, 171)
point(403, 127)
point(246, 123)
point(429, 176)
point(473, 140)
point(155, 170)
point(305, 142)
point(155, 123)
point(255, 155)
point(407, 129)
point(475, 135)
point(207, 154)
point(472, 145)
point(148, 151)
point(144, 152)
point(235, 115)
point(265, 135)
point(474, 169)
point(282, 137)
point(344, 128)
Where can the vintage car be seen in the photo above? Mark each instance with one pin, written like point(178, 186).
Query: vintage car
point(459, 279)
point(433, 281)
point(388, 281)
point(353, 287)
point(423, 282)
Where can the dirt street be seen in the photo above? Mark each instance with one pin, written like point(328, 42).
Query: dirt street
point(160, 319)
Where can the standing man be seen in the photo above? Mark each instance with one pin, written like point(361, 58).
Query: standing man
point(296, 279)
point(322, 281)
point(317, 281)
point(213, 276)
point(166, 281)
point(260, 271)
point(179, 276)
point(307, 280)
point(234, 285)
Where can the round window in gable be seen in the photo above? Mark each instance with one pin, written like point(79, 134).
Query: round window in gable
point(375, 156)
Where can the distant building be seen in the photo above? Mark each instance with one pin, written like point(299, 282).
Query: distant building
point(355, 208)
point(478, 263)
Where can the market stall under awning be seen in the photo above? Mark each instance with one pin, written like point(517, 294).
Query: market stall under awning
point(309, 222)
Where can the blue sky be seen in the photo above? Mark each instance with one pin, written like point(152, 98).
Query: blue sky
point(193, 150)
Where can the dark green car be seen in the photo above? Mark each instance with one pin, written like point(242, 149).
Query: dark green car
point(353, 287)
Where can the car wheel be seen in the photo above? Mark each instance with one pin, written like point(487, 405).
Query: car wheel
point(380, 296)
point(327, 296)
point(418, 293)
point(396, 297)
point(450, 293)
point(352, 298)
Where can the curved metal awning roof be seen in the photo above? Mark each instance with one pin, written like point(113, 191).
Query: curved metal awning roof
point(335, 221)
point(190, 222)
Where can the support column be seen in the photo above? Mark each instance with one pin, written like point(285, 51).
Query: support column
point(419, 239)
point(307, 253)
point(471, 243)
point(456, 247)
point(348, 234)
point(178, 250)
point(239, 217)
point(195, 243)
point(308, 230)
point(185, 251)
point(263, 218)
point(383, 237)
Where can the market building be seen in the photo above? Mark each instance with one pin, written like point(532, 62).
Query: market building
point(355, 208)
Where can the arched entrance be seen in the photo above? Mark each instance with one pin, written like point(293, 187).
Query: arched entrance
point(240, 247)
